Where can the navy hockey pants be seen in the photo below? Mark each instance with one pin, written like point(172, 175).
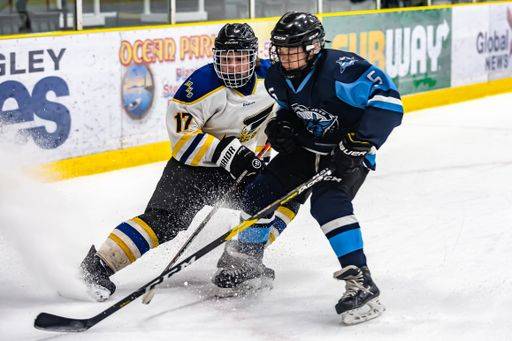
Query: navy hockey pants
point(331, 203)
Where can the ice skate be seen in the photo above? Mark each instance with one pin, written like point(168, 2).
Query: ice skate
point(360, 302)
point(95, 275)
point(241, 271)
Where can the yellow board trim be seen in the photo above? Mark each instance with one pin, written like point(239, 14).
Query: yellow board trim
point(154, 152)
point(287, 212)
point(123, 247)
point(103, 162)
point(148, 229)
point(434, 98)
point(202, 151)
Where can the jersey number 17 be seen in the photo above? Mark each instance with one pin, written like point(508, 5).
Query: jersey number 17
point(183, 120)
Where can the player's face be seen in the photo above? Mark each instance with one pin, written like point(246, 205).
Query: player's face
point(235, 62)
point(292, 58)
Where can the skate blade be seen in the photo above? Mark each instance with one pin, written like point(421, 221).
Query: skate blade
point(369, 311)
point(251, 287)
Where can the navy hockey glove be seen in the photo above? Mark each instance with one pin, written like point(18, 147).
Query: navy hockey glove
point(350, 153)
point(231, 155)
point(281, 136)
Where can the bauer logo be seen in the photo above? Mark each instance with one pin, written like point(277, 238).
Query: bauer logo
point(137, 91)
point(32, 111)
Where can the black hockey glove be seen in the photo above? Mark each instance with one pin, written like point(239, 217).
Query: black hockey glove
point(281, 136)
point(348, 158)
point(350, 153)
point(231, 155)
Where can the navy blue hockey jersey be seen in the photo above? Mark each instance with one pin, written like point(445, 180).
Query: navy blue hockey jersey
point(342, 93)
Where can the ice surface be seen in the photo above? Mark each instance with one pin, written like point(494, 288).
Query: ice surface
point(436, 219)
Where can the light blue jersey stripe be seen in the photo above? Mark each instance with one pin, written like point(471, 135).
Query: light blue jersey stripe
point(355, 94)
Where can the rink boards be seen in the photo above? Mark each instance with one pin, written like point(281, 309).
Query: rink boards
point(93, 101)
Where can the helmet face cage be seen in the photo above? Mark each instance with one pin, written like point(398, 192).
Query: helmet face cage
point(295, 40)
point(234, 67)
point(295, 59)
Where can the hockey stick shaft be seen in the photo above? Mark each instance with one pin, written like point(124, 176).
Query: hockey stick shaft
point(52, 322)
point(148, 296)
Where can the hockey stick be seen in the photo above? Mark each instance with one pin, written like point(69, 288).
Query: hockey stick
point(45, 321)
point(148, 296)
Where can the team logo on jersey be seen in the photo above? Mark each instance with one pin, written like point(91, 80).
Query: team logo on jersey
point(252, 123)
point(344, 62)
point(318, 121)
point(189, 89)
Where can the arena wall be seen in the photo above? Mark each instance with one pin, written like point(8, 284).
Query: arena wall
point(94, 101)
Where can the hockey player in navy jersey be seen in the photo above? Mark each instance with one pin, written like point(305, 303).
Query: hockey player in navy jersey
point(215, 117)
point(336, 110)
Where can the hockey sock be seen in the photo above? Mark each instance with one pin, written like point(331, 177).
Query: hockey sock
point(344, 235)
point(127, 242)
point(266, 231)
point(282, 217)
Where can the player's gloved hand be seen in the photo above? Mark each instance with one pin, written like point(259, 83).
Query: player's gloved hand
point(281, 136)
point(231, 155)
point(350, 153)
point(348, 160)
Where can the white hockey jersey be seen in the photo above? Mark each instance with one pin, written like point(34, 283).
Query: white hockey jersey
point(203, 111)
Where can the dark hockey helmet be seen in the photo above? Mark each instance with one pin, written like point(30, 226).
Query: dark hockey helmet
point(296, 30)
point(234, 54)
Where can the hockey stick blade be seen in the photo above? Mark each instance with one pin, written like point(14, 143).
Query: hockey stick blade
point(50, 322)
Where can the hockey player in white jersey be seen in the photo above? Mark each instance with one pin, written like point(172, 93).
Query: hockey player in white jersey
point(217, 115)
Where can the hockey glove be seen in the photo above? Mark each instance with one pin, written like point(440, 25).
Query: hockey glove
point(348, 161)
point(281, 136)
point(231, 155)
point(350, 153)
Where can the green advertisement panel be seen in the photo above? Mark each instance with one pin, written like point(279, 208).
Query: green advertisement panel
point(413, 47)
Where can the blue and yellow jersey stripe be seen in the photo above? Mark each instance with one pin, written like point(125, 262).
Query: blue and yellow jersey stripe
point(195, 149)
point(201, 151)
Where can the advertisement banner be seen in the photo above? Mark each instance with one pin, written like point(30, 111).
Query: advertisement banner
point(413, 47)
point(496, 43)
point(65, 97)
point(58, 94)
point(470, 26)
point(154, 63)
